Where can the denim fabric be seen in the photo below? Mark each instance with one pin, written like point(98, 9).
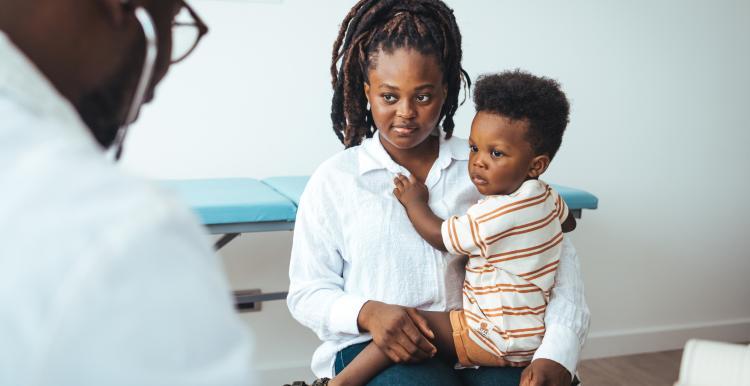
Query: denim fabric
point(432, 372)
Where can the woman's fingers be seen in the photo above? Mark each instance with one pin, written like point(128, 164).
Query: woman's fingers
point(397, 354)
point(411, 351)
point(421, 322)
point(526, 378)
point(417, 344)
point(394, 331)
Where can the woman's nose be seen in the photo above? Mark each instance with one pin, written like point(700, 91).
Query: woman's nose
point(406, 109)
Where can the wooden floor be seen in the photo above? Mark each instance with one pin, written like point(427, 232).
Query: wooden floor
point(652, 369)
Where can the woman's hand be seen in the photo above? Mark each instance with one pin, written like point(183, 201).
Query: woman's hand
point(410, 191)
point(400, 332)
point(545, 372)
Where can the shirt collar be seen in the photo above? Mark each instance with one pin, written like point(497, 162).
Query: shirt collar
point(22, 81)
point(373, 156)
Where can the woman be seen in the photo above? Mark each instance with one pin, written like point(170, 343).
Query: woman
point(359, 271)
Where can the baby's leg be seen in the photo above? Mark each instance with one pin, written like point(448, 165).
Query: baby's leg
point(366, 365)
point(371, 361)
point(440, 323)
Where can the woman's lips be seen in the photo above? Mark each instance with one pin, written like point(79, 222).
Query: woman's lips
point(404, 130)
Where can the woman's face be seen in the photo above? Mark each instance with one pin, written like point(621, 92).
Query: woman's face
point(406, 93)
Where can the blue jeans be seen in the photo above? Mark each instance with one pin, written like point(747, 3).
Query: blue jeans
point(434, 371)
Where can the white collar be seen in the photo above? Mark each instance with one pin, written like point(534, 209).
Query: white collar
point(373, 156)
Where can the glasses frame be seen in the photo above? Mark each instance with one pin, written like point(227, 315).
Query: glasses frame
point(198, 23)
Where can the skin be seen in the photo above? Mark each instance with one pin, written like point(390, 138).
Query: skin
point(406, 93)
point(97, 51)
point(501, 159)
point(545, 372)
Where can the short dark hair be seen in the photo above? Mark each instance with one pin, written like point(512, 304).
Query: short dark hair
point(428, 26)
point(520, 95)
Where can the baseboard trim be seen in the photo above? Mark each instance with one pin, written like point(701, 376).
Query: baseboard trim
point(661, 338)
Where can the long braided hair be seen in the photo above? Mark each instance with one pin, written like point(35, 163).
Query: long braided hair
point(427, 26)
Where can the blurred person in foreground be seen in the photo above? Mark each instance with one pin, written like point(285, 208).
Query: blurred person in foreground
point(104, 280)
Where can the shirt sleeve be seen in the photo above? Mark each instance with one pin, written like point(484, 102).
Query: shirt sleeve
point(149, 305)
point(461, 236)
point(316, 291)
point(562, 207)
point(567, 316)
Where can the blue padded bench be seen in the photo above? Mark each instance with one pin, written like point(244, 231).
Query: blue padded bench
point(232, 206)
point(244, 205)
point(292, 187)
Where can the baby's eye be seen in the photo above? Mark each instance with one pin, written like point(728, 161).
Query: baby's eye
point(389, 98)
point(423, 98)
point(473, 148)
point(496, 154)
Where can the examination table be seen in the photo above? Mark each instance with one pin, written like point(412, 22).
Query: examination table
point(232, 206)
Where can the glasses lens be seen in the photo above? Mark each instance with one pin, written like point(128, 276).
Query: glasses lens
point(184, 35)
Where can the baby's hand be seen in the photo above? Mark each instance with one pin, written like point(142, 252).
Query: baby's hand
point(409, 191)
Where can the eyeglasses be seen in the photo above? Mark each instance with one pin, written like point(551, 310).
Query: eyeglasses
point(187, 31)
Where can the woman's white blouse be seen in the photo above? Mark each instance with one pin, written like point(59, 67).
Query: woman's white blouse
point(353, 242)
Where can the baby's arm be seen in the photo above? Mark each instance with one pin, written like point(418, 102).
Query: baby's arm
point(569, 224)
point(413, 195)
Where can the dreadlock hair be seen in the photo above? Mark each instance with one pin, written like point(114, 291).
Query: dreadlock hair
point(427, 26)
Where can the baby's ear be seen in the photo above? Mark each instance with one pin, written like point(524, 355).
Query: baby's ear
point(538, 165)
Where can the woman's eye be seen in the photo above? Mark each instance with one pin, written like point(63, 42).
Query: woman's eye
point(389, 98)
point(473, 148)
point(496, 154)
point(423, 98)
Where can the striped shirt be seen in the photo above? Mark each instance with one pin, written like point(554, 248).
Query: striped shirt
point(513, 243)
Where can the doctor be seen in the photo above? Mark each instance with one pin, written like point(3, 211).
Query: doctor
point(103, 280)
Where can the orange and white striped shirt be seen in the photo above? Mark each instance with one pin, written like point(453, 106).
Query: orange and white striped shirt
point(513, 243)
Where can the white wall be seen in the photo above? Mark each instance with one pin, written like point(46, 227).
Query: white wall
point(659, 132)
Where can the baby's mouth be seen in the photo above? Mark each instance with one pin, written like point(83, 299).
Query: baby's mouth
point(478, 180)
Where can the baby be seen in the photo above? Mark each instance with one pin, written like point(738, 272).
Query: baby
point(512, 237)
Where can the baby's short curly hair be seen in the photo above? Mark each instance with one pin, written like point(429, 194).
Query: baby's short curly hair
point(521, 95)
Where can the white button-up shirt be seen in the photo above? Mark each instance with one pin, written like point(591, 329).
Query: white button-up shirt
point(353, 242)
point(104, 280)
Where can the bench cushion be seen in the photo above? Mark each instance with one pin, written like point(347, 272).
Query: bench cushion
point(576, 198)
point(292, 187)
point(233, 200)
point(239, 200)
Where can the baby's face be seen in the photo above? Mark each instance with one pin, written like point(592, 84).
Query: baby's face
point(500, 159)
